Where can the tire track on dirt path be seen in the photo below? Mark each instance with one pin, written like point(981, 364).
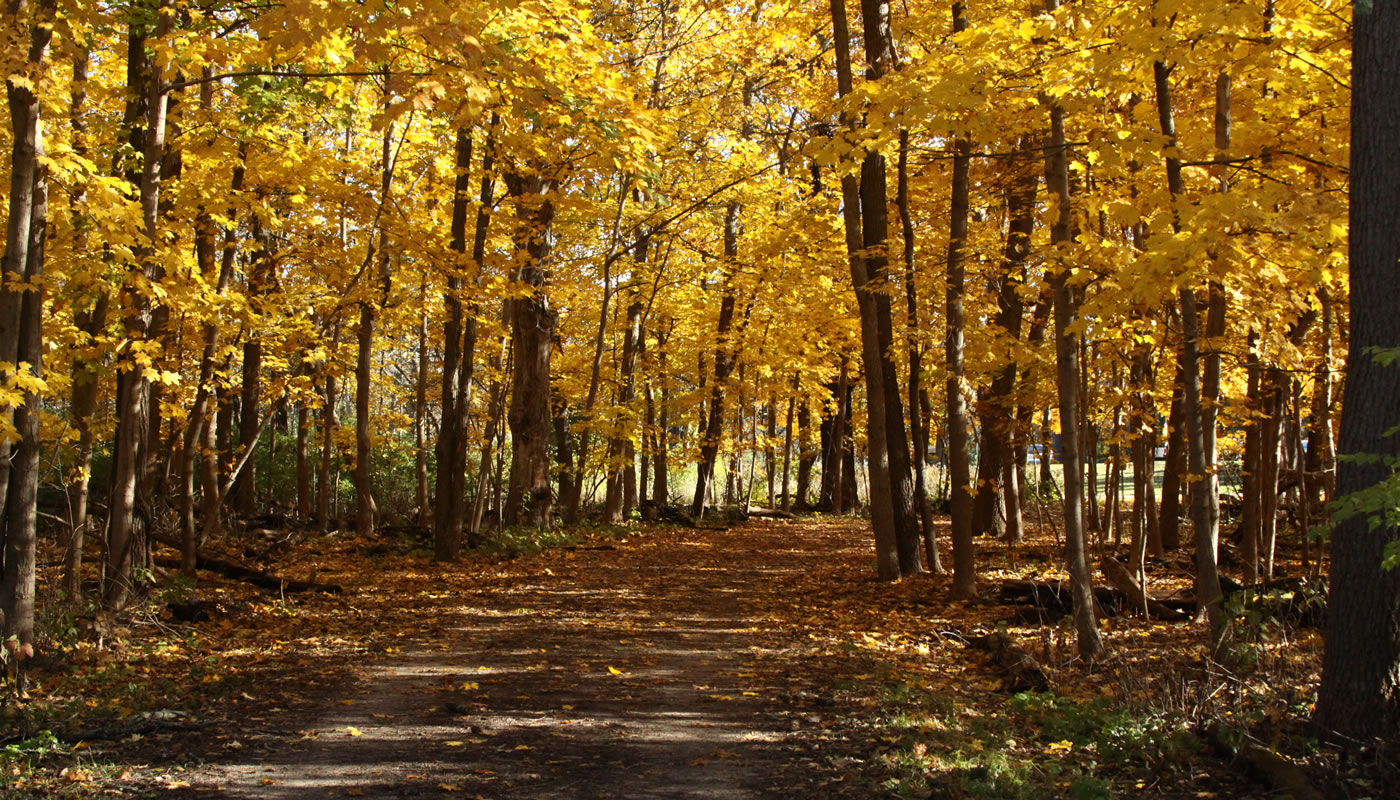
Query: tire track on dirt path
point(659, 669)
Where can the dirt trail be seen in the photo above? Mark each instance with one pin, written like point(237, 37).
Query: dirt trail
point(667, 667)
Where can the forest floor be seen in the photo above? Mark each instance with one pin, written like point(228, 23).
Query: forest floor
point(762, 660)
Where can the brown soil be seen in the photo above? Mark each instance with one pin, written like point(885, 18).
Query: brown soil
point(671, 666)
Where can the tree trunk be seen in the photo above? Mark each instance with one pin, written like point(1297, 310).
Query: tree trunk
point(1203, 496)
point(530, 499)
point(1169, 519)
point(1360, 692)
point(147, 102)
point(918, 422)
point(1057, 180)
point(23, 317)
point(324, 486)
point(964, 549)
point(366, 512)
point(725, 357)
point(245, 498)
point(89, 321)
point(459, 352)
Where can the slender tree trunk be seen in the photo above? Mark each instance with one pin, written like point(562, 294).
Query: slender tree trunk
point(1001, 405)
point(366, 511)
point(89, 321)
point(1057, 180)
point(725, 358)
point(918, 422)
point(324, 485)
point(964, 549)
point(1208, 593)
point(420, 413)
point(1170, 517)
point(459, 352)
point(245, 496)
point(787, 446)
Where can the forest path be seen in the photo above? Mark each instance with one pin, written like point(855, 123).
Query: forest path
point(668, 664)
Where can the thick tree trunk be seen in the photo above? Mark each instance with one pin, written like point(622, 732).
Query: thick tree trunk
point(125, 532)
point(883, 521)
point(1360, 692)
point(875, 238)
point(530, 499)
point(806, 457)
point(23, 317)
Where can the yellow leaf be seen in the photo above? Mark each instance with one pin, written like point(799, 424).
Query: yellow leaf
point(353, 731)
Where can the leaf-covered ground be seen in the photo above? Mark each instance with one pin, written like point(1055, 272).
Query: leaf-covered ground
point(758, 661)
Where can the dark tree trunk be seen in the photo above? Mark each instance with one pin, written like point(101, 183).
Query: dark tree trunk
point(806, 457)
point(459, 354)
point(366, 511)
point(324, 485)
point(23, 317)
point(918, 422)
point(958, 422)
point(125, 532)
point(89, 321)
point(245, 496)
point(1169, 519)
point(1057, 180)
point(1360, 692)
point(530, 499)
point(725, 358)
point(887, 555)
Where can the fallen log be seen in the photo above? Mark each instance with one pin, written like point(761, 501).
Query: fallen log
point(1019, 665)
point(260, 579)
point(770, 513)
point(1123, 581)
point(1280, 773)
point(1053, 597)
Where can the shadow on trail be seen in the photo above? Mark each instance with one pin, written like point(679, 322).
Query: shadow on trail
point(644, 672)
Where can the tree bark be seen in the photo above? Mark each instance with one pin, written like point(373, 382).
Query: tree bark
point(887, 559)
point(146, 102)
point(23, 309)
point(959, 458)
point(918, 423)
point(1360, 692)
point(1057, 180)
point(366, 511)
point(725, 358)
point(530, 499)
point(89, 321)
